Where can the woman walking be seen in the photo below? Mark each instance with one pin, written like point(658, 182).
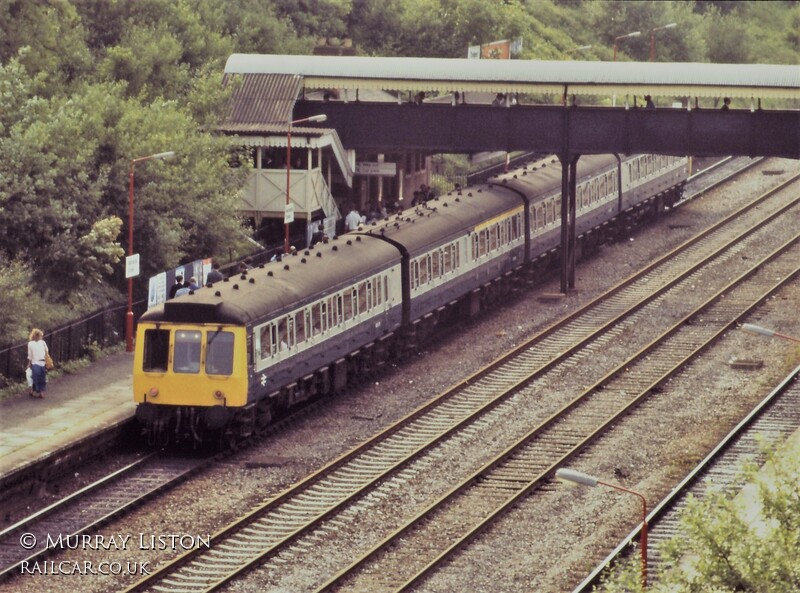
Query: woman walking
point(37, 359)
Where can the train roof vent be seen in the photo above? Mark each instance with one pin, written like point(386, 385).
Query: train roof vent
point(319, 254)
point(286, 267)
point(270, 273)
point(218, 294)
point(303, 260)
point(235, 287)
point(252, 280)
point(335, 248)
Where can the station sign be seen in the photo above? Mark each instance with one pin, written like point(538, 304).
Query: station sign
point(132, 266)
point(376, 169)
point(288, 214)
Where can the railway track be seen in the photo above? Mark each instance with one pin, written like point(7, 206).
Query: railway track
point(90, 507)
point(408, 555)
point(285, 527)
point(775, 418)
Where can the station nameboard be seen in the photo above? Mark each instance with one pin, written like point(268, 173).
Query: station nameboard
point(380, 169)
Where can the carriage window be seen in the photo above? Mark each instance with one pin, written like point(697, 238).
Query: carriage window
point(447, 259)
point(219, 353)
point(186, 355)
point(353, 300)
point(300, 326)
point(338, 311)
point(436, 263)
point(369, 294)
point(362, 297)
point(415, 274)
point(290, 337)
point(516, 226)
point(422, 266)
point(156, 350)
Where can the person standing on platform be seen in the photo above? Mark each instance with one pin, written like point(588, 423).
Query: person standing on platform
point(37, 360)
point(649, 102)
point(214, 275)
point(174, 288)
point(352, 220)
point(319, 231)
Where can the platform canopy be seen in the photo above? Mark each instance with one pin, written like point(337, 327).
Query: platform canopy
point(528, 76)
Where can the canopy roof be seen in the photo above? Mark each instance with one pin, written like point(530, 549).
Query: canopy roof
point(528, 76)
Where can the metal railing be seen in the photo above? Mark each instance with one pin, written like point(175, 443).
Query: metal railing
point(71, 341)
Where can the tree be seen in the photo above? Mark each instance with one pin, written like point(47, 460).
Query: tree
point(53, 183)
point(54, 35)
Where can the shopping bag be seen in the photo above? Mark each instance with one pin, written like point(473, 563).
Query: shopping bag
point(29, 376)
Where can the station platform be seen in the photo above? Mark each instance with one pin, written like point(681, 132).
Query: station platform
point(76, 407)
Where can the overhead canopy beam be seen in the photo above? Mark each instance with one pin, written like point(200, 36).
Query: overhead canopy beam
point(591, 130)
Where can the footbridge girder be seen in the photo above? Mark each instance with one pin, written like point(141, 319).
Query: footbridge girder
point(561, 130)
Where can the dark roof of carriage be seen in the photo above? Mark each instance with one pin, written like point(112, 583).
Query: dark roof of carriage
point(280, 286)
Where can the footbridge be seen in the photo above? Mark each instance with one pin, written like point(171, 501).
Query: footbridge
point(565, 108)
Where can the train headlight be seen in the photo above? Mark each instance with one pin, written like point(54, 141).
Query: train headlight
point(219, 395)
point(153, 392)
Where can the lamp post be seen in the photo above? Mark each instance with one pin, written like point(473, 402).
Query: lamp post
point(570, 475)
point(763, 331)
point(616, 39)
point(129, 315)
point(653, 38)
point(313, 118)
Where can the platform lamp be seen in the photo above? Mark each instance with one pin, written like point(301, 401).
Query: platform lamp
point(653, 38)
point(617, 39)
point(763, 331)
point(286, 221)
point(129, 315)
point(570, 475)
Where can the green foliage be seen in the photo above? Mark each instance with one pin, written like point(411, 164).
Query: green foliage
point(88, 85)
point(747, 542)
point(17, 295)
point(53, 33)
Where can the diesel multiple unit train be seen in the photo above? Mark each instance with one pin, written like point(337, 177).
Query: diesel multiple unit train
point(219, 362)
